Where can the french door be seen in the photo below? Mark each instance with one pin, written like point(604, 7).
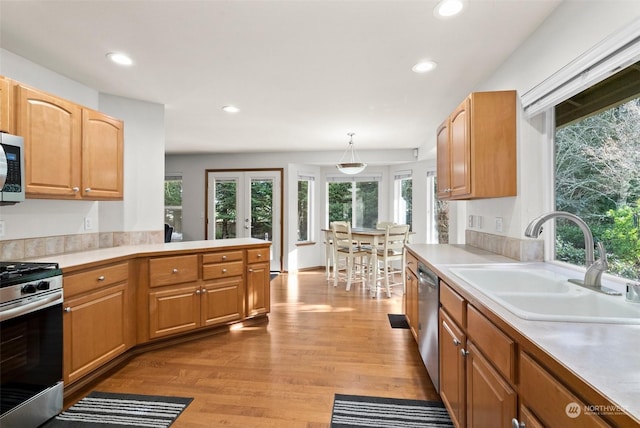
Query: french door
point(246, 204)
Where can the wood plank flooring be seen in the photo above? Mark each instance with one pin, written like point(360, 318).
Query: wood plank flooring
point(318, 341)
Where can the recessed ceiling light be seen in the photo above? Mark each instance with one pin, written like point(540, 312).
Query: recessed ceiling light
point(119, 58)
point(448, 8)
point(424, 66)
point(231, 109)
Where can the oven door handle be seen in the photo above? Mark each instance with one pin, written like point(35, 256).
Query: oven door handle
point(30, 307)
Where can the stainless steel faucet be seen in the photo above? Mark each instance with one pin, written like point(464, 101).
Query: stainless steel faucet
point(595, 269)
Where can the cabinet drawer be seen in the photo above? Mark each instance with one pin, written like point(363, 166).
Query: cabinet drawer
point(494, 344)
point(454, 304)
point(173, 270)
point(222, 256)
point(258, 255)
point(95, 278)
point(222, 270)
point(550, 400)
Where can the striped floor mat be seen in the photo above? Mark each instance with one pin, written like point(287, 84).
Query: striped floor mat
point(350, 411)
point(107, 410)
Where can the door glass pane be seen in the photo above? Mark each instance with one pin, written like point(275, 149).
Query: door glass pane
point(262, 209)
point(366, 204)
point(340, 201)
point(225, 208)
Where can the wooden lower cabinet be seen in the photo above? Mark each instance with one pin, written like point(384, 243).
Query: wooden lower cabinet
point(174, 310)
point(491, 402)
point(527, 419)
point(95, 330)
point(258, 289)
point(411, 302)
point(453, 343)
point(222, 301)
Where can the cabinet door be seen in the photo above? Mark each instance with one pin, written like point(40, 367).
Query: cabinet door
point(452, 369)
point(258, 289)
point(51, 128)
point(444, 161)
point(102, 156)
point(460, 150)
point(222, 301)
point(6, 106)
point(491, 403)
point(411, 297)
point(94, 330)
point(175, 310)
point(527, 420)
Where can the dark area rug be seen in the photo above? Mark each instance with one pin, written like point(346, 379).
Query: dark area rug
point(352, 411)
point(107, 410)
point(272, 275)
point(398, 321)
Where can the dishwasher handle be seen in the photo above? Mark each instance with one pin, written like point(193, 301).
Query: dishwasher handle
point(427, 277)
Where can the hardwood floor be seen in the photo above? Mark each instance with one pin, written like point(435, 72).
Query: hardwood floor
point(318, 341)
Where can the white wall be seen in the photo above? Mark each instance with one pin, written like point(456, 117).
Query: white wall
point(143, 204)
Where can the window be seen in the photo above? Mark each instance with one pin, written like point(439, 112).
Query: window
point(402, 199)
point(173, 204)
point(597, 173)
point(353, 199)
point(305, 198)
point(437, 213)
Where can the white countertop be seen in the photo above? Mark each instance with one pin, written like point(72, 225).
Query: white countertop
point(605, 356)
point(66, 261)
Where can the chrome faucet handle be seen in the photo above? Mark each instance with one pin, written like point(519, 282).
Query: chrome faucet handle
point(593, 276)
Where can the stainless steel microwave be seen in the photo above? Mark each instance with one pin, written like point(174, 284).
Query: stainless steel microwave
point(12, 180)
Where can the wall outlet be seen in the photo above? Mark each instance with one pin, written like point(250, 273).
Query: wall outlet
point(470, 222)
point(498, 224)
point(1, 228)
point(88, 224)
point(479, 221)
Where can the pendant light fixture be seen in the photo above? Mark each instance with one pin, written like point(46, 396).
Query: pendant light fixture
point(350, 163)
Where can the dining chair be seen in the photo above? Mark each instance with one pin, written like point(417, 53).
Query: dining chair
point(330, 267)
point(383, 224)
point(391, 251)
point(354, 256)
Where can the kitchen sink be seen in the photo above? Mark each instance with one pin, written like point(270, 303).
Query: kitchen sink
point(539, 291)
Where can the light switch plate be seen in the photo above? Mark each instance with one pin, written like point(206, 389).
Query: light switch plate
point(498, 224)
point(88, 224)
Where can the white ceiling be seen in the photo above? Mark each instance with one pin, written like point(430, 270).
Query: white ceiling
point(303, 73)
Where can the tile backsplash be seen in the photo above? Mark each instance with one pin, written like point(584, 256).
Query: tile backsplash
point(17, 249)
point(524, 250)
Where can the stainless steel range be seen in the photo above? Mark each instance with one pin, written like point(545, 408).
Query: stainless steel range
point(31, 389)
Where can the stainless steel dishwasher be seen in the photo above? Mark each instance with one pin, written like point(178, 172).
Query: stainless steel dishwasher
point(428, 307)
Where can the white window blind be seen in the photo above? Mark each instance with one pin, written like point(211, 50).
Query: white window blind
point(400, 175)
point(618, 51)
point(353, 178)
point(306, 177)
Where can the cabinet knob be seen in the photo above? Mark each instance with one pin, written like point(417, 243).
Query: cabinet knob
point(409, 277)
point(101, 278)
point(250, 270)
point(76, 189)
point(174, 270)
point(517, 424)
point(224, 257)
point(259, 255)
point(198, 291)
point(464, 352)
point(67, 309)
point(456, 342)
point(87, 190)
point(224, 271)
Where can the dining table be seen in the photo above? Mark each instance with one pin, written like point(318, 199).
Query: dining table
point(363, 235)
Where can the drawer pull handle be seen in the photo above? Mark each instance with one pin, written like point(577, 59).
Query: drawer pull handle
point(224, 257)
point(456, 342)
point(76, 189)
point(224, 271)
point(259, 255)
point(198, 291)
point(67, 309)
point(87, 190)
point(517, 424)
point(250, 270)
point(101, 278)
point(174, 270)
point(464, 352)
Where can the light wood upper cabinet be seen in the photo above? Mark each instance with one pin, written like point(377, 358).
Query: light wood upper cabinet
point(477, 148)
point(51, 128)
point(102, 156)
point(7, 121)
point(71, 152)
